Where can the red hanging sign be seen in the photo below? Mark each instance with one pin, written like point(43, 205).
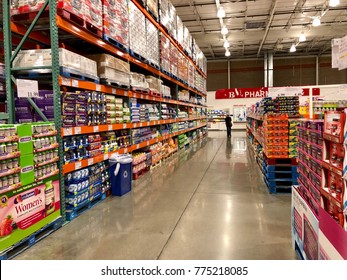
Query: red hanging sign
point(232, 93)
point(306, 91)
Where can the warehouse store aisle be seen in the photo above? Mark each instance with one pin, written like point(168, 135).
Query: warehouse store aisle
point(207, 202)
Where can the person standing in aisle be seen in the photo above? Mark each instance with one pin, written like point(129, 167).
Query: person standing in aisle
point(228, 124)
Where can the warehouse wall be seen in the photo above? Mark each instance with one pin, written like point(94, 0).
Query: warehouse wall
point(287, 72)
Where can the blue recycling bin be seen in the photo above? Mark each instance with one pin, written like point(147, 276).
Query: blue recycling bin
point(121, 174)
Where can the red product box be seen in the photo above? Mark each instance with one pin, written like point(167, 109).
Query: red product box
point(94, 146)
point(72, 6)
point(93, 16)
point(116, 32)
point(94, 138)
point(27, 6)
point(336, 186)
point(334, 123)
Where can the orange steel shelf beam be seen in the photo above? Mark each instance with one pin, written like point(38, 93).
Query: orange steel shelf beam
point(34, 35)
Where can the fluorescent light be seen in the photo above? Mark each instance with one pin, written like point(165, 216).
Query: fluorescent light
point(224, 31)
point(227, 53)
point(292, 48)
point(334, 3)
point(302, 37)
point(226, 44)
point(316, 22)
point(221, 12)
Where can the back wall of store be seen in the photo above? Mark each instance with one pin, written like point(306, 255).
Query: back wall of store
point(294, 71)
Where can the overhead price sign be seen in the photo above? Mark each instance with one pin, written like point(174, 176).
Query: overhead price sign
point(233, 93)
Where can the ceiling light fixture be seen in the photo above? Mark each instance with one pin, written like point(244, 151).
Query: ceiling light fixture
point(227, 53)
point(302, 37)
point(334, 3)
point(292, 48)
point(226, 44)
point(221, 12)
point(224, 31)
point(316, 22)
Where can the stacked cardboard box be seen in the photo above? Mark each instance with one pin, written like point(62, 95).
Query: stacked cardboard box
point(187, 41)
point(93, 14)
point(180, 31)
point(116, 21)
point(164, 13)
point(137, 31)
point(165, 53)
point(152, 38)
point(172, 24)
point(112, 70)
point(174, 57)
point(183, 67)
point(152, 6)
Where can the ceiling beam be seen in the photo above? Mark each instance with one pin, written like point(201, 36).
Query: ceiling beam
point(269, 21)
point(212, 3)
point(211, 51)
point(297, 9)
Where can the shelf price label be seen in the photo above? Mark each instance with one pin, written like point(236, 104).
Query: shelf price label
point(126, 93)
point(66, 82)
point(74, 83)
point(78, 165)
point(124, 125)
point(67, 131)
point(27, 88)
point(138, 146)
point(77, 130)
point(147, 143)
point(140, 124)
point(98, 88)
point(110, 127)
point(96, 128)
point(105, 156)
point(125, 150)
point(114, 91)
point(90, 161)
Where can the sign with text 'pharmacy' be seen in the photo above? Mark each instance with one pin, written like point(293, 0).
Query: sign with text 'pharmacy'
point(233, 93)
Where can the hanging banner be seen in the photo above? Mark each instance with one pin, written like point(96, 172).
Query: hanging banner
point(343, 53)
point(292, 91)
point(233, 93)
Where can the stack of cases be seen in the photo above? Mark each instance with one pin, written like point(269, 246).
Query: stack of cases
point(191, 74)
point(180, 31)
point(183, 95)
point(166, 91)
point(288, 105)
point(310, 151)
point(93, 14)
point(165, 53)
point(75, 148)
point(152, 38)
point(155, 85)
point(156, 152)
point(164, 13)
point(137, 30)
point(187, 41)
point(152, 7)
point(276, 135)
point(112, 70)
point(172, 24)
point(267, 105)
point(174, 57)
point(116, 21)
point(183, 67)
point(293, 139)
point(167, 112)
point(24, 112)
point(115, 113)
point(135, 110)
point(153, 112)
point(139, 163)
point(139, 82)
point(333, 189)
point(144, 113)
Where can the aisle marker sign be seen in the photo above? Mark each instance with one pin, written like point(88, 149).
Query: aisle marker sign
point(27, 88)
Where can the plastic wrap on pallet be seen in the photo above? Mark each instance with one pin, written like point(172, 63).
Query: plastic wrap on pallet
point(107, 60)
point(112, 75)
point(93, 13)
point(164, 13)
point(187, 41)
point(154, 84)
point(139, 81)
point(152, 36)
point(25, 6)
point(183, 67)
point(116, 21)
point(164, 53)
point(152, 6)
point(137, 30)
point(191, 74)
point(172, 29)
point(173, 60)
point(180, 31)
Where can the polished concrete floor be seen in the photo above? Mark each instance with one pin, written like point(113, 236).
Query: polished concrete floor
point(207, 202)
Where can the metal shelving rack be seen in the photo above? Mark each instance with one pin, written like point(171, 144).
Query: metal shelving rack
point(30, 37)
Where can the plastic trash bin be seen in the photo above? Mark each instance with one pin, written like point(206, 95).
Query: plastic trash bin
point(121, 174)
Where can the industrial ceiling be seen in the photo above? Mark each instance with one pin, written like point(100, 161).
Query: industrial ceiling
point(256, 27)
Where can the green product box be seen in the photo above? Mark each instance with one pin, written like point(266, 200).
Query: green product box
point(25, 142)
point(27, 174)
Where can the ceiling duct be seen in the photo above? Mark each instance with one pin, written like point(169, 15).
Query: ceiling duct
point(255, 24)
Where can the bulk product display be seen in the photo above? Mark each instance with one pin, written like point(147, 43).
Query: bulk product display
point(310, 152)
point(137, 31)
point(288, 105)
point(152, 40)
point(2, 88)
point(139, 164)
point(85, 186)
point(333, 189)
point(83, 108)
point(24, 112)
point(115, 15)
point(112, 71)
point(97, 103)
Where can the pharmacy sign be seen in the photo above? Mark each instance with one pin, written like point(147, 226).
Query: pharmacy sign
point(232, 93)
